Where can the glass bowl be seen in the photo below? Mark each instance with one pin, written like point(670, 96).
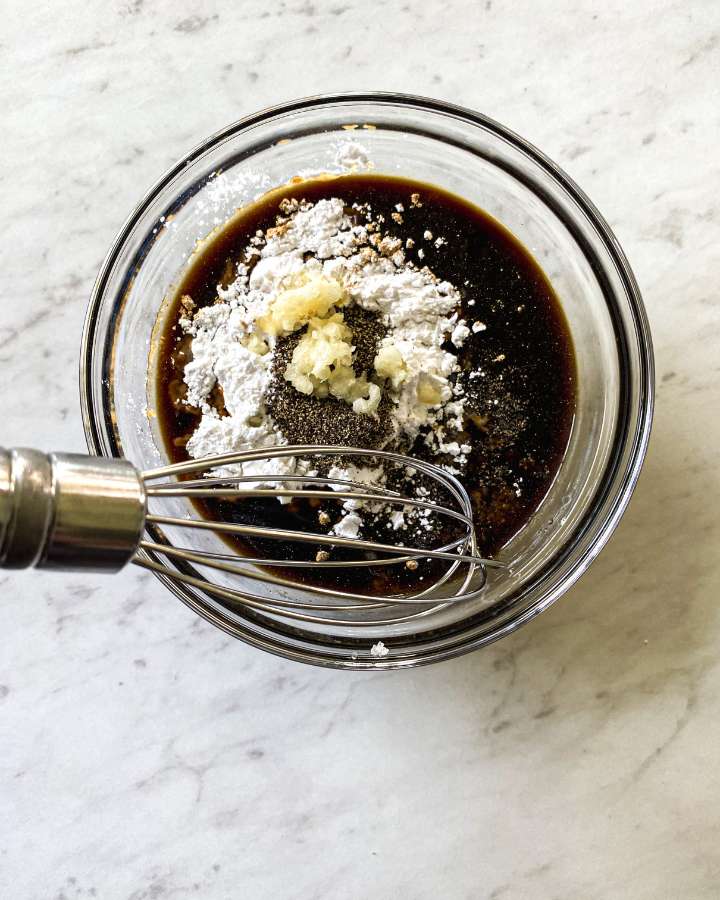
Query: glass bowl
point(467, 154)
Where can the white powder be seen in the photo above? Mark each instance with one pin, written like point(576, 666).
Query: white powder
point(365, 476)
point(460, 333)
point(379, 650)
point(220, 358)
point(321, 228)
point(397, 520)
point(350, 154)
point(417, 309)
point(349, 526)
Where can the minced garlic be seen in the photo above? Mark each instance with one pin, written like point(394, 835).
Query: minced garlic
point(321, 365)
point(429, 391)
point(324, 351)
point(390, 364)
point(294, 307)
point(255, 344)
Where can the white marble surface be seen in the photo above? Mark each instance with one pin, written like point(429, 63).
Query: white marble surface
point(143, 754)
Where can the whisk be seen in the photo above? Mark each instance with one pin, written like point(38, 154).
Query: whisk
point(70, 512)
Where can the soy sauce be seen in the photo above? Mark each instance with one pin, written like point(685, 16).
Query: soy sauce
point(518, 364)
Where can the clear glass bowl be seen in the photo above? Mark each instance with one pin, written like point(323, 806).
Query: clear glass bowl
point(488, 165)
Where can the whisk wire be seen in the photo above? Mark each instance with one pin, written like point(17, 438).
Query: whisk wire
point(73, 512)
point(223, 478)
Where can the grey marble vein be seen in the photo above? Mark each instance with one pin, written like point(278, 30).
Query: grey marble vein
point(146, 756)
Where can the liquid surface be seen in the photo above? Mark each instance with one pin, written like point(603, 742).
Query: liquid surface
point(519, 409)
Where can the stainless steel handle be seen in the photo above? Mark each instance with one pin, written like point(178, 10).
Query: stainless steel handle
point(67, 511)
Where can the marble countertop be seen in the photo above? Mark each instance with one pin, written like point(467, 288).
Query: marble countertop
point(146, 755)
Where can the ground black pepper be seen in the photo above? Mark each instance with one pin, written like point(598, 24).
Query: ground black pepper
point(306, 419)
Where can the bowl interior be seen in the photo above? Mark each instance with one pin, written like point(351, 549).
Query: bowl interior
point(488, 169)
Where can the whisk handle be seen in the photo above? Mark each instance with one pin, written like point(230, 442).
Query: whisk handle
point(67, 511)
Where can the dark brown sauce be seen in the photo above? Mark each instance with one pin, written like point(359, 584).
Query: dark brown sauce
point(520, 409)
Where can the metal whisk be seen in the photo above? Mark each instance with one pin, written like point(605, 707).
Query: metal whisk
point(67, 511)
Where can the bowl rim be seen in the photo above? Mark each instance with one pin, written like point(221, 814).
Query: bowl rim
point(634, 445)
